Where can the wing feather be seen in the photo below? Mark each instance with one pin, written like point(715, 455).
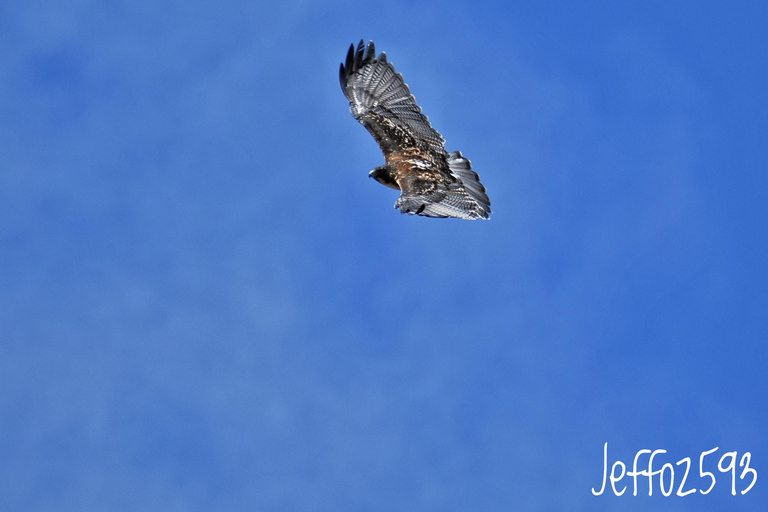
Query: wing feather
point(437, 193)
point(382, 102)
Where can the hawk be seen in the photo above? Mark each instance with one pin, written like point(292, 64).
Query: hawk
point(432, 182)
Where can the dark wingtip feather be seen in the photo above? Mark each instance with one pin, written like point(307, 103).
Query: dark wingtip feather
point(359, 56)
point(350, 58)
point(370, 52)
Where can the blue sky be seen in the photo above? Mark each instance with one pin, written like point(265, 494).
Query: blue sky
point(205, 304)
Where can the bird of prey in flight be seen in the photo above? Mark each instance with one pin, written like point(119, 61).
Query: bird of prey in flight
point(432, 182)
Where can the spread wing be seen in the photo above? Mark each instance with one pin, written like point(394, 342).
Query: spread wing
point(433, 182)
point(456, 192)
point(381, 101)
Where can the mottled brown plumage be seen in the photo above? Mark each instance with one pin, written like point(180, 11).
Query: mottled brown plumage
point(433, 182)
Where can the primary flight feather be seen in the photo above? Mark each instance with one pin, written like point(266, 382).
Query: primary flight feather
point(432, 182)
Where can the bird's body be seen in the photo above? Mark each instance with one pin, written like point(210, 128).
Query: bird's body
point(433, 182)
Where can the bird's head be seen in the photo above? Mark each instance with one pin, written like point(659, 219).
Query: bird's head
point(384, 176)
